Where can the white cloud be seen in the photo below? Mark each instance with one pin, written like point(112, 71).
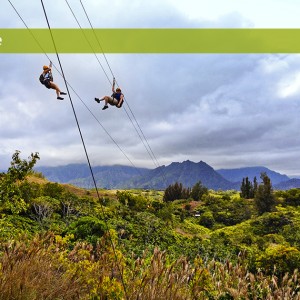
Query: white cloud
point(289, 86)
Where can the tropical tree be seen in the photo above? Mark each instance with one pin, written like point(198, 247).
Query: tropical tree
point(248, 188)
point(264, 197)
point(198, 190)
point(176, 191)
point(10, 192)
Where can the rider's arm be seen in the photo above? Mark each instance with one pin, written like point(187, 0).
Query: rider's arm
point(50, 72)
point(113, 86)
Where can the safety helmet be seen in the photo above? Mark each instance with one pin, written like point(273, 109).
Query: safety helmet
point(45, 67)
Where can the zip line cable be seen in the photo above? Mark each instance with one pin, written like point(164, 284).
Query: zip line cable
point(142, 135)
point(87, 40)
point(148, 148)
point(107, 78)
point(151, 154)
point(87, 157)
point(155, 159)
point(76, 119)
point(97, 39)
point(74, 90)
point(82, 99)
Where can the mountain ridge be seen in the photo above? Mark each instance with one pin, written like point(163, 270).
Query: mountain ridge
point(237, 174)
point(186, 172)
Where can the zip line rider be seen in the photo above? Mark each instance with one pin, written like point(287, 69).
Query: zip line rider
point(116, 99)
point(46, 79)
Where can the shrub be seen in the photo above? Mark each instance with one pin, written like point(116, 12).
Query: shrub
point(207, 219)
point(279, 259)
point(87, 228)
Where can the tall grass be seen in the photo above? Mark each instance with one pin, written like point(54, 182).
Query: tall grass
point(45, 268)
point(28, 271)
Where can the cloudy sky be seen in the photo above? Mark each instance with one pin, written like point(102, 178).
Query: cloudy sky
point(229, 110)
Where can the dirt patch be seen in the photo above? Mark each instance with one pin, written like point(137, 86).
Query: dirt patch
point(193, 205)
point(180, 231)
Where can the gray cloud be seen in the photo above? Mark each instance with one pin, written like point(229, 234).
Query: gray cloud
point(227, 110)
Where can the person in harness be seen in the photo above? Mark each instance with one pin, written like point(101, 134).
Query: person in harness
point(116, 99)
point(46, 79)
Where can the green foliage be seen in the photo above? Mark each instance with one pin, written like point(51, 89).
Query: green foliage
point(53, 190)
point(166, 213)
point(270, 223)
point(10, 193)
point(87, 228)
point(248, 189)
point(176, 191)
point(227, 212)
point(290, 197)
point(207, 219)
point(15, 204)
point(29, 191)
point(142, 225)
point(19, 168)
point(157, 205)
point(14, 226)
point(198, 190)
point(279, 259)
point(192, 228)
point(264, 197)
point(137, 203)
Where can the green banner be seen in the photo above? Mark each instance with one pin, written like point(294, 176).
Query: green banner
point(150, 40)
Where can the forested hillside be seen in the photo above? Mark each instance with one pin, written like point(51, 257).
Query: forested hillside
point(186, 172)
point(63, 242)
